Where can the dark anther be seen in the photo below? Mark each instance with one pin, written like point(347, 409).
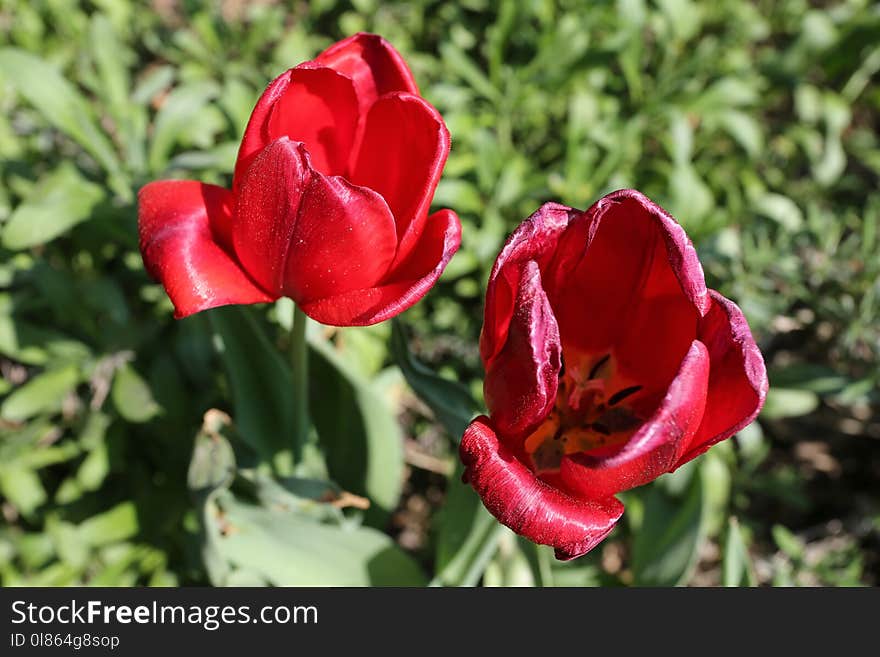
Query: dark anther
point(558, 434)
point(598, 366)
point(561, 367)
point(620, 395)
point(601, 428)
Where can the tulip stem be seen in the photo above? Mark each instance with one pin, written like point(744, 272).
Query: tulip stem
point(299, 365)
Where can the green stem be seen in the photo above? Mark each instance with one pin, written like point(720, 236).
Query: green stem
point(545, 568)
point(299, 365)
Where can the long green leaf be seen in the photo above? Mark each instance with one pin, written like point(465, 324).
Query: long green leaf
point(290, 549)
point(737, 569)
point(42, 394)
point(450, 401)
point(58, 202)
point(132, 396)
point(175, 119)
point(64, 107)
point(261, 384)
point(467, 536)
point(665, 548)
point(358, 432)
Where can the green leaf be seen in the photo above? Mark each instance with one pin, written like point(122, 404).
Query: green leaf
point(358, 432)
point(59, 201)
point(309, 497)
point(175, 119)
point(212, 465)
point(114, 525)
point(788, 402)
point(459, 194)
point(808, 376)
point(737, 569)
point(152, 82)
point(681, 138)
point(364, 347)
point(509, 567)
point(69, 546)
point(22, 488)
point(132, 396)
point(753, 447)
point(212, 469)
point(63, 106)
point(467, 536)
point(666, 547)
point(450, 401)
point(692, 198)
point(43, 394)
point(94, 468)
point(745, 131)
point(110, 56)
point(833, 162)
point(17, 339)
point(458, 62)
point(290, 549)
point(716, 488)
point(260, 382)
point(585, 571)
point(684, 17)
point(790, 544)
point(780, 209)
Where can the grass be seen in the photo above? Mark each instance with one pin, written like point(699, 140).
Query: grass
point(754, 123)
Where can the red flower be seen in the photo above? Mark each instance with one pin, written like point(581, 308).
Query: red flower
point(329, 201)
point(608, 363)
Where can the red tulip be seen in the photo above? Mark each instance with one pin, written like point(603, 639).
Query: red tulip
point(329, 201)
point(608, 363)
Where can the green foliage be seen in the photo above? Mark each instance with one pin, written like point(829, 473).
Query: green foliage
point(667, 542)
point(293, 536)
point(260, 383)
point(737, 564)
point(358, 433)
point(450, 401)
point(55, 204)
point(753, 123)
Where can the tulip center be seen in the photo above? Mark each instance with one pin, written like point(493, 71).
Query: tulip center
point(593, 411)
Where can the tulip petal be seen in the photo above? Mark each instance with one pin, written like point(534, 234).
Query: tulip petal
point(623, 251)
point(534, 240)
point(320, 109)
point(657, 333)
point(310, 104)
point(517, 498)
point(683, 260)
point(521, 381)
point(737, 380)
point(404, 148)
point(656, 447)
point(440, 241)
point(306, 235)
point(343, 240)
point(268, 205)
point(373, 65)
point(256, 135)
point(183, 226)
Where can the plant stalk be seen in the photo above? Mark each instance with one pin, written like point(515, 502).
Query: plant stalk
point(299, 366)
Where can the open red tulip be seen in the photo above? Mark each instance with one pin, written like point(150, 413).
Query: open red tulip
point(329, 201)
point(608, 363)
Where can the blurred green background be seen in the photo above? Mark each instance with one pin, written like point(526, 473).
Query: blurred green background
point(754, 123)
